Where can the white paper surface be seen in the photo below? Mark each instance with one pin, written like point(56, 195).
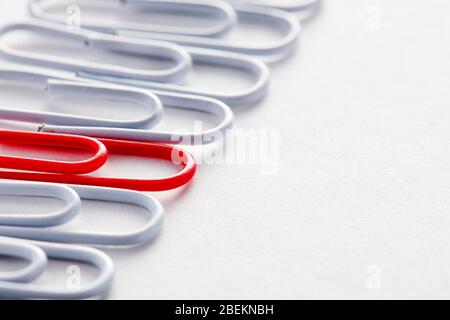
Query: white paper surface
point(359, 205)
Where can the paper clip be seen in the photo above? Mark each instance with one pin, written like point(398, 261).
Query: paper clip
point(67, 89)
point(247, 96)
point(180, 101)
point(158, 151)
point(102, 41)
point(19, 290)
point(48, 229)
point(277, 17)
point(60, 80)
point(222, 58)
point(223, 11)
point(36, 257)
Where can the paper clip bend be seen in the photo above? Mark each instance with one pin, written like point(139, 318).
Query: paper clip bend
point(158, 151)
point(66, 88)
point(303, 10)
point(55, 234)
point(68, 195)
point(94, 257)
point(36, 257)
point(93, 39)
point(53, 140)
point(212, 7)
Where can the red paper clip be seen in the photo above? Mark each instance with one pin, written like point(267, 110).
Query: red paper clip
point(53, 140)
point(150, 150)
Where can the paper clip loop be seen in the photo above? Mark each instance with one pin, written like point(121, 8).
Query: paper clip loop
point(102, 41)
point(144, 234)
point(53, 140)
point(66, 88)
point(36, 257)
point(45, 227)
point(16, 188)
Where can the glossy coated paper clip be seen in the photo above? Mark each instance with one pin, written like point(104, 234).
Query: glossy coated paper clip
point(223, 13)
point(70, 88)
point(103, 42)
point(66, 84)
point(58, 171)
point(46, 227)
point(279, 19)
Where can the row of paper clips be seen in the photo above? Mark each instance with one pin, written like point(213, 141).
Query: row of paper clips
point(39, 234)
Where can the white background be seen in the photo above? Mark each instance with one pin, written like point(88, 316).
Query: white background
point(363, 112)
